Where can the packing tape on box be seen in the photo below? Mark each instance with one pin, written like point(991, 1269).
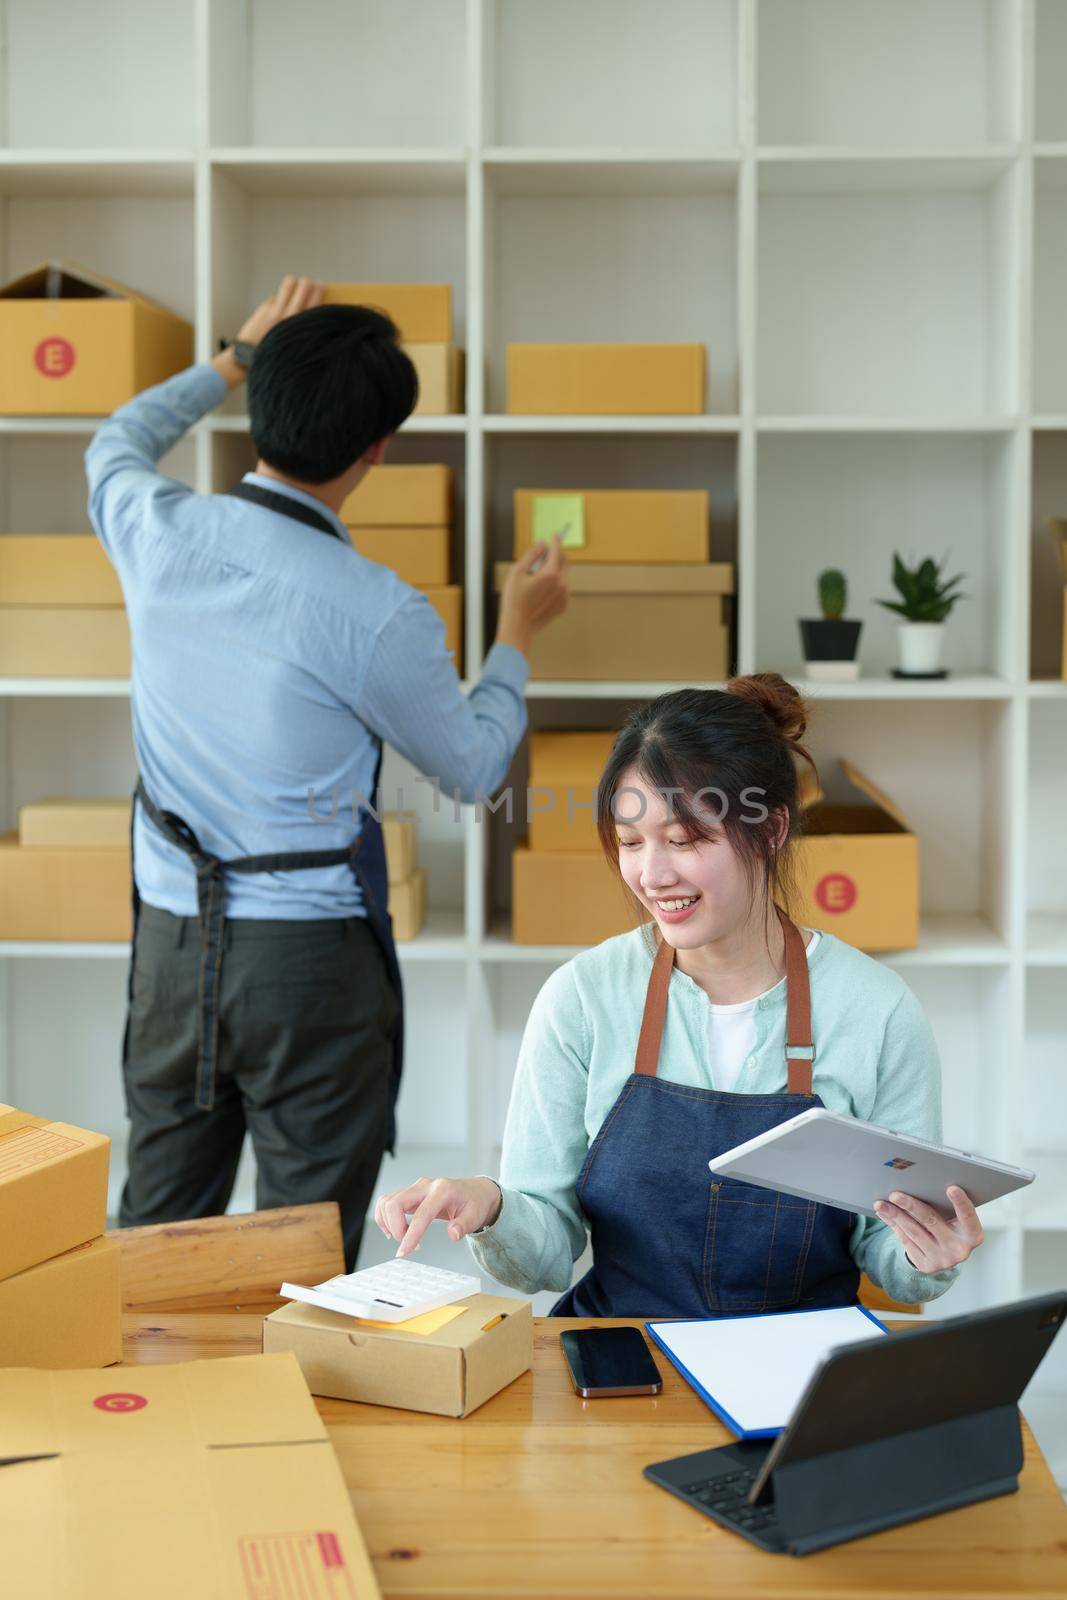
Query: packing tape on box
point(13, 1122)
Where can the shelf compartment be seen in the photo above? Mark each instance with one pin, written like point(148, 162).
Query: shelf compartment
point(348, 73)
point(853, 72)
point(1046, 867)
point(1050, 53)
point(1050, 323)
point(862, 308)
point(610, 266)
point(116, 72)
point(849, 501)
point(1048, 498)
point(615, 72)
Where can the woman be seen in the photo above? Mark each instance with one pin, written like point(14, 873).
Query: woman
point(717, 996)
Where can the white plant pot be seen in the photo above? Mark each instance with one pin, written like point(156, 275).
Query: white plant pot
point(920, 645)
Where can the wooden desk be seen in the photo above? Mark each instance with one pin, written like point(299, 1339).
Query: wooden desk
point(540, 1494)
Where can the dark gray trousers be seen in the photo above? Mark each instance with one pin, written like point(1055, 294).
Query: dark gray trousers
point(306, 1022)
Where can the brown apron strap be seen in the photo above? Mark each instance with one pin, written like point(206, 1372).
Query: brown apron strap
point(799, 1046)
point(655, 1009)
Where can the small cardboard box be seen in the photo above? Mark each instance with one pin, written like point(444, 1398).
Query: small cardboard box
point(422, 311)
point(447, 601)
point(634, 623)
point(565, 769)
point(857, 870)
point(421, 556)
point(66, 1312)
point(199, 1478)
point(401, 497)
point(407, 905)
point(56, 569)
point(75, 344)
point(617, 525)
point(400, 830)
point(449, 1373)
point(80, 824)
point(64, 642)
point(64, 894)
point(651, 380)
point(53, 1189)
point(568, 897)
point(441, 369)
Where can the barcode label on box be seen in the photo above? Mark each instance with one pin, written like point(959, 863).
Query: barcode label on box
point(32, 1149)
point(295, 1566)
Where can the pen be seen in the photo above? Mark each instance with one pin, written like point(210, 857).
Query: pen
point(493, 1322)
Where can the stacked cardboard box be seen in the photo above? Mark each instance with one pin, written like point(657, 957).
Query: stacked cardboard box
point(646, 604)
point(563, 891)
point(423, 315)
point(61, 609)
point(407, 880)
point(66, 873)
point(73, 343)
point(60, 1289)
point(402, 517)
point(650, 380)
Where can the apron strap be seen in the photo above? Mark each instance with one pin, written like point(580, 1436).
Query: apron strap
point(799, 1047)
point(284, 505)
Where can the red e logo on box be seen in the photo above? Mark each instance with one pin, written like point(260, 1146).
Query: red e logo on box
point(120, 1402)
point(836, 893)
point(54, 357)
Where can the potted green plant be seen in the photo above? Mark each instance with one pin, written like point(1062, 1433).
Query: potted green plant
point(926, 599)
point(831, 641)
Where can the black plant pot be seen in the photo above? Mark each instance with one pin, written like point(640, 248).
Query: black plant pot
point(829, 642)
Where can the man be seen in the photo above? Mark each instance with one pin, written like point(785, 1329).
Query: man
point(271, 660)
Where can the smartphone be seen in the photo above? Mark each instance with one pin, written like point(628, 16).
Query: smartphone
point(609, 1361)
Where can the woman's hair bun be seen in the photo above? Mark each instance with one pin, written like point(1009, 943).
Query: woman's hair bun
point(779, 700)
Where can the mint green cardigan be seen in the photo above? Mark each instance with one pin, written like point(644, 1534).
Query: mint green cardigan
point(875, 1059)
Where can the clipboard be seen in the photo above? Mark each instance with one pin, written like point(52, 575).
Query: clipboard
point(751, 1370)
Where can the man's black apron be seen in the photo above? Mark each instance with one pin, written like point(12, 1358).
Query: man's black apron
point(365, 856)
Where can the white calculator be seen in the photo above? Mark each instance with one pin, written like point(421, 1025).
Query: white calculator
point(393, 1292)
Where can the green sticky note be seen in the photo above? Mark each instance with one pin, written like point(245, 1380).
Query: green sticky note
point(559, 513)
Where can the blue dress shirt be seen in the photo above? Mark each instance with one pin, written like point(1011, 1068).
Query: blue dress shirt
point(268, 659)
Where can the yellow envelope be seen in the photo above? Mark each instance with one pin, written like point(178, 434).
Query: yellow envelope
point(427, 1322)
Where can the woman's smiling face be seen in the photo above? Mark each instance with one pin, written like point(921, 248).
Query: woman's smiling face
point(697, 891)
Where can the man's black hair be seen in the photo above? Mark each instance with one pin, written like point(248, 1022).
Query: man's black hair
point(325, 385)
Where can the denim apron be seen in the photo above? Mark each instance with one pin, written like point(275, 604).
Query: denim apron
point(669, 1238)
point(365, 857)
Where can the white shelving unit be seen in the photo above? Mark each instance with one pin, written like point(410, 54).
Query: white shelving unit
point(859, 206)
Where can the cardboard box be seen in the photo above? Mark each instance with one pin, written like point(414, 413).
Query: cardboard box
point(613, 525)
point(857, 870)
point(73, 343)
point(64, 894)
point(634, 623)
point(422, 311)
point(199, 1478)
point(447, 601)
point(421, 556)
point(401, 497)
point(81, 824)
point(401, 833)
point(449, 1373)
point(64, 642)
point(53, 1189)
point(565, 769)
point(441, 369)
point(407, 905)
point(66, 1312)
point(568, 897)
point(56, 569)
point(651, 380)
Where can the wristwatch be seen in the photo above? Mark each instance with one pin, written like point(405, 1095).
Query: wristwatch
point(242, 353)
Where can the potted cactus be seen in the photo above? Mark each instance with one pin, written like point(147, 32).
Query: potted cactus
point(926, 599)
point(831, 641)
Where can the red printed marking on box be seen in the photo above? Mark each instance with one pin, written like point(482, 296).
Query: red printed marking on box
point(295, 1566)
point(33, 1148)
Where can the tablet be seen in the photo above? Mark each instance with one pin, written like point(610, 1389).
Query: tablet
point(849, 1164)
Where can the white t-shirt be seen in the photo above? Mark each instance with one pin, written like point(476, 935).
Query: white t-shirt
point(732, 1034)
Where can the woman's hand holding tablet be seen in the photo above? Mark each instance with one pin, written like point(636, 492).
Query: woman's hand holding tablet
point(933, 1242)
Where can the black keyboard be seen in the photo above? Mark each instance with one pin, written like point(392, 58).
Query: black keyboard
point(725, 1498)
